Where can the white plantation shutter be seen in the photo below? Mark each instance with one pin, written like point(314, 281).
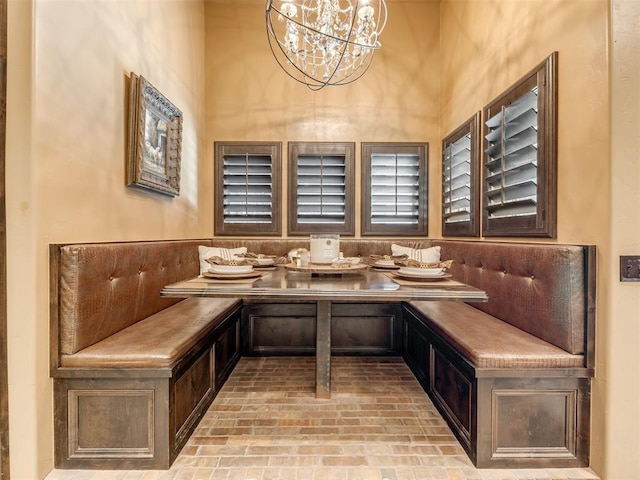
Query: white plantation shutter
point(519, 187)
point(394, 189)
point(460, 185)
point(512, 159)
point(321, 189)
point(456, 173)
point(321, 186)
point(247, 188)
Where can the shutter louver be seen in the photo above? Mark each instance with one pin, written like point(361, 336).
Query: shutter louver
point(511, 175)
point(321, 186)
point(460, 167)
point(248, 189)
point(321, 189)
point(395, 189)
point(519, 166)
point(457, 181)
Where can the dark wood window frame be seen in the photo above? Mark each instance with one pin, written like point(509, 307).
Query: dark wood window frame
point(509, 207)
point(410, 200)
point(460, 180)
point(257, 166)
point(339, 157)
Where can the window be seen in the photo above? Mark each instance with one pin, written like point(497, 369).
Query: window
point(519, 160)
point(247, 188)
point(394, 189)
point(321, 185)
point(460, 164)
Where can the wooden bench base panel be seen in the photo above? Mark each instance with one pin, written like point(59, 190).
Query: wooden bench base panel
point(112, 424)
point(524, 418)
point(290, 329)
point(137, 422)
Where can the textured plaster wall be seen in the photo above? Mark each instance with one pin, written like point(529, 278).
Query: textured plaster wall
point(68, 69)
point(248, 96)
point(621, 383)
point(489, 44)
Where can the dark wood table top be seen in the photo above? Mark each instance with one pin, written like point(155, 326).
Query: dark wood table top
point(364, 285)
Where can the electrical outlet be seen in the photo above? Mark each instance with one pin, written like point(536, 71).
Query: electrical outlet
point(630, 268)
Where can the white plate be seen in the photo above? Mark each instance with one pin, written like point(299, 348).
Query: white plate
point(231, 268)
point(422, 272)
point(383, 264)
point(232, 276)
point(265, 261)
point(421, 278)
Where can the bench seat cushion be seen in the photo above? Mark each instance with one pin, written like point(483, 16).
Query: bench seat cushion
point(158, 341)
point(488, 342)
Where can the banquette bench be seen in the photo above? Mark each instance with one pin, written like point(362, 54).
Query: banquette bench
point(512, 376)
point(134, 372)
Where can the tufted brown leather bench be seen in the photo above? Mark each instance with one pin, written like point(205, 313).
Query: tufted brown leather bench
point(133, 372)
point(512, 376)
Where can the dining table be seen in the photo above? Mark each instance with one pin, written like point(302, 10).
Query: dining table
point(322, 286)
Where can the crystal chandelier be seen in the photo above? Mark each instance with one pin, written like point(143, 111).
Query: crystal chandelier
point(325, 42)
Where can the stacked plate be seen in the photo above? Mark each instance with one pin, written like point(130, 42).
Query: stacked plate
point(237, 269)
point(231, 272)
point(265, 262)
point(386, 264)
point(411, 273)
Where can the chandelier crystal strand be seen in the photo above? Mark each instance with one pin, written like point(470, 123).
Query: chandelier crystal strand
point(325, 42)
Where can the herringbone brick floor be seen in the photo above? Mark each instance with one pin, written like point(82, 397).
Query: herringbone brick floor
point(266, 424)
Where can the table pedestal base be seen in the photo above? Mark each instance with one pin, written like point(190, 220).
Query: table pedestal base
point(323, 349)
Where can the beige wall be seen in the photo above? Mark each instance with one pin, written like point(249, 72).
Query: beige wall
point(248, 96)
point(68, 67)
point(68, 71)
point(620, 384)
point(489, 44)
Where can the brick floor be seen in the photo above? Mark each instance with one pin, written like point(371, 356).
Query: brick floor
point(266, 424)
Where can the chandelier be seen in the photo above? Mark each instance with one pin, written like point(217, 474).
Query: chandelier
point(325, 42)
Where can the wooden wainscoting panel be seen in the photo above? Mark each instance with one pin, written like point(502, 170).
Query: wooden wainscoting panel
point(101, 419)
point(367, 329)
point(416, 350)
point(111, 423)
point(193, 387)
point(531, 424)
point(227, 353)
point(453, 392)
point(280, 329)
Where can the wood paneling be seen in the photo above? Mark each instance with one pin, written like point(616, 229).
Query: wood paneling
point(192, 388)
point(290, 329)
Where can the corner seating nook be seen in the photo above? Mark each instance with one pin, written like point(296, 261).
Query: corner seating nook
point(134, 372)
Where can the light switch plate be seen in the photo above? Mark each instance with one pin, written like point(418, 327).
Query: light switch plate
point(630, 268)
